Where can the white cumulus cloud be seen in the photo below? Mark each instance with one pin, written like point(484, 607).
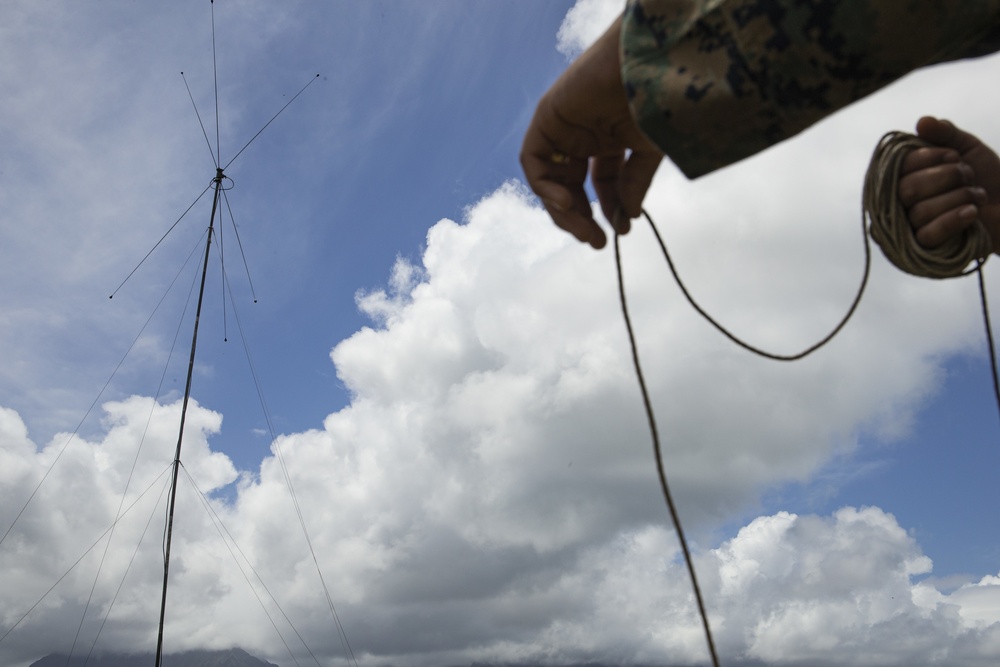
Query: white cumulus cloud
point(489, 493)
point(584, 23)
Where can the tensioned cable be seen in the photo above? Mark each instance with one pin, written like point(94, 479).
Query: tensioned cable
point(97, 398)
point(218, 187)
point(217, 159)
point(221, 250)
point(82, 556)
point(135, 460)
point(156, 245)
point(215, 71)
point(203, 130)
point(171, 502)
point(142, 440)
point(239, 242)
point(135, 552)
point(220, 526)
point(271, 121)
point(345, 643)
point(884, 217)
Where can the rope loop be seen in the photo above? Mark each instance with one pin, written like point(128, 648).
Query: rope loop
point(887, 224)
point(890, 228)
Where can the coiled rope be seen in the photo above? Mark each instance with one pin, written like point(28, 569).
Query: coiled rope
point(885, 219)
point(891, 230)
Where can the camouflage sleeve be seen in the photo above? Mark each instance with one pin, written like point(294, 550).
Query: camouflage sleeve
point(714, 81)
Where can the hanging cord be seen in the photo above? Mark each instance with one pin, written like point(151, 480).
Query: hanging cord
point(752, 348)
point(659, 459)
point(885, 218)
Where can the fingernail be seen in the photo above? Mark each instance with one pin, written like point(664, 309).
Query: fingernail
point(551, 204)
point(966, 171)
point(620, 221)
point(969, 212)
point(978, 193)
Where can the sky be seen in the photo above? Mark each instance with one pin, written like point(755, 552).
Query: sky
point(447, 374)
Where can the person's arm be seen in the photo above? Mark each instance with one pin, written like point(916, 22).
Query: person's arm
point(710, 84)
point(583, 124)
point(947, 187)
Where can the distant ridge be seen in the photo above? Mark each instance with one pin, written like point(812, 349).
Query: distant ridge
point(235, 657)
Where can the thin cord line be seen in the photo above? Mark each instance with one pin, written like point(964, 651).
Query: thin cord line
point(220, 528)
point(878, 198)
point(128, 568)
point(991, 346)
point(142, 440)
point(82, 556)
point(93, 404)
point(128, 481)
point(664, 486)
point(176, 222)
point(221, 249)
point(271, 121)
point(204, 132)
point(747, 346)
point(348, 651)
point(215, 70)
point(239, 242)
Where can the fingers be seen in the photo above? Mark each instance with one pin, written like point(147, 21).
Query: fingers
point(952, 219)
point(943, 133)
point(931, 156)
point(621, 185)
point(938, 187)
point(605, 174)
point(564, 198)
point(638, 173)
point(933, 181)
point(939, 197)
point(928, 210)
point(558, 179)
point(569, 208)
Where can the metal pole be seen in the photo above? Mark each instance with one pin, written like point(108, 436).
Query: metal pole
point(180, 436)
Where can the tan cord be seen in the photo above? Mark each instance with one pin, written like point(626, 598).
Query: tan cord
point(890, 228)
point(658, 453)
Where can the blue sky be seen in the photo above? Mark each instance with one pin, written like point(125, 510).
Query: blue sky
point(448, 373)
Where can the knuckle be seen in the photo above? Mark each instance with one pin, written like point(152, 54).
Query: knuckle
point(917, 216)
point(907, 192)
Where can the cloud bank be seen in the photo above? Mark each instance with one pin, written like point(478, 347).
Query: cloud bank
point(489, 493)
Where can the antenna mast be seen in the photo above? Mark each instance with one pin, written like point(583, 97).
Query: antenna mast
point(217, 184)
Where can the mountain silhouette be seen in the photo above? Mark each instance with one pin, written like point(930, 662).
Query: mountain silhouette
point(234, 657)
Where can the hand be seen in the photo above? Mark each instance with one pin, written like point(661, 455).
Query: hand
point(583, 122)
point(948, 186)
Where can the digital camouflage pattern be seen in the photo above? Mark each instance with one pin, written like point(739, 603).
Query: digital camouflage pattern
point(714, 81)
